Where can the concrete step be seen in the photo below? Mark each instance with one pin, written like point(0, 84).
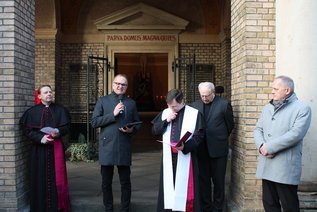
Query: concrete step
point(308, 201)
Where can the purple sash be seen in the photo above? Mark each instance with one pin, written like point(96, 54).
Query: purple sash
point(190, 191)
point(61, 176)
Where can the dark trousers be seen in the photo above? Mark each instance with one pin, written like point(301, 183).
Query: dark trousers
point(218, 168)
point(277, 194)
point(124, 176)
point(204, 180)
point(214, 168)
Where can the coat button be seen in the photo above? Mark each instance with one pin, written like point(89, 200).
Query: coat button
point(269, 135)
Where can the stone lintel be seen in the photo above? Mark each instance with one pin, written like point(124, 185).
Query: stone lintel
point(46, 33)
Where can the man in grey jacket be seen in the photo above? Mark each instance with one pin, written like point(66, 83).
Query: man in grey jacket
point(279, 137)
point(112, 113)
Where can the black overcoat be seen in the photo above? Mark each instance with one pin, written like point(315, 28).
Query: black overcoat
point(115, 147)
point(219, 124)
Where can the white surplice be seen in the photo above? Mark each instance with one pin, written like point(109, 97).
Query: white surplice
point(175, 199)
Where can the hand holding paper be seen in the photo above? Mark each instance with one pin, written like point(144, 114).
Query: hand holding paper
point(51, 132)
point(180, 144)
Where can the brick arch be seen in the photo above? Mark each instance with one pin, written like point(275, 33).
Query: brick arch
point(45, 11)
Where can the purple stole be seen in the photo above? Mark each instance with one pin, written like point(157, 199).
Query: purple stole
point(190, 191)
point(61, 176)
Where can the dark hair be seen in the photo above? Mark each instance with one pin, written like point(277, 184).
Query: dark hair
point(174, 94)
point(42, 86)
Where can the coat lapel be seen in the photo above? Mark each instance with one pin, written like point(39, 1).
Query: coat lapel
point(201, 107)
point(212, 108)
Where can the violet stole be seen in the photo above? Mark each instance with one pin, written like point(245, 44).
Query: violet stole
point(190, 189)
point(61, 176)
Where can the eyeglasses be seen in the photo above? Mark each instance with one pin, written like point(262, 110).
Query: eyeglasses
point(122, 84)
point(205, 96)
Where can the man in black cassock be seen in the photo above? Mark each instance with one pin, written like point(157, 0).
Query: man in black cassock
point(179, 190)
point(45, 124)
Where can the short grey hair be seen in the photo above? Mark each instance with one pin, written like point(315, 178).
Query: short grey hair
point(209, 85)
point(287, 82)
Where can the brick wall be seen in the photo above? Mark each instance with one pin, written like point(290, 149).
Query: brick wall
point(58, 69)
point(213, 54)
point(16, 95)
point(76, 54)
point(72, 89)
point(45, 66)
point(225, 74)
point(204, 54)
point(253, 68)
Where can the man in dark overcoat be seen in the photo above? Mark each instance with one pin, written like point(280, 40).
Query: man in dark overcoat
point(111, 114)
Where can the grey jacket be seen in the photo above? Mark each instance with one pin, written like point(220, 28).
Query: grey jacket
point(115, 147)
point(282, 131)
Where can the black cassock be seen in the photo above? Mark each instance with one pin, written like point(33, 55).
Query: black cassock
point(44, 195)
point(190, 146)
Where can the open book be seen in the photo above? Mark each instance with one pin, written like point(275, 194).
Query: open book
point(180, 142)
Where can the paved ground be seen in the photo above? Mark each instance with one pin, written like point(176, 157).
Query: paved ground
point(85, 184)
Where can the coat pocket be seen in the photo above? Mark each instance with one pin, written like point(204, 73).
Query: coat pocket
point(106, 141)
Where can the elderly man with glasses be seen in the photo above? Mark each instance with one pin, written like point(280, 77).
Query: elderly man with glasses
point(213, 152)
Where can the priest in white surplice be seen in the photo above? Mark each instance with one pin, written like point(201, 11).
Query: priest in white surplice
point(178, 189)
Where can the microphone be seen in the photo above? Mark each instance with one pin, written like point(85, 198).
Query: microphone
point(120, 97)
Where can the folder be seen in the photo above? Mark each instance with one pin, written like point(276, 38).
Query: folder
point(131, 124)
point(183, 139)
point(179, 143)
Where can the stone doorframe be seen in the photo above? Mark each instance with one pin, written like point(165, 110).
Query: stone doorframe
point(170, 50)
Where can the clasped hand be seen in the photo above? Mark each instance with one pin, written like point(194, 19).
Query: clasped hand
point(50, 137)
point(264, 152)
